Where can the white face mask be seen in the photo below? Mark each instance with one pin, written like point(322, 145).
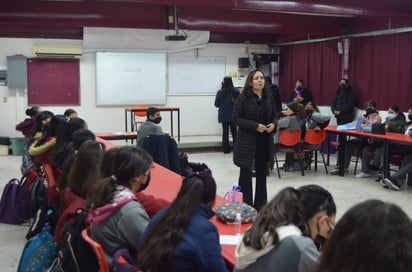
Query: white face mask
point(391, 116)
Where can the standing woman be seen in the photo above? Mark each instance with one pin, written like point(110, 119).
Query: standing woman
point(28, 124)
point(254, 113)
point(343, 103)
point(224, 100)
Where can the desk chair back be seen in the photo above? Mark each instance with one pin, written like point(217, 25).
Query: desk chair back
point(139, 117)
point(312, 142)
point(289, 142)
point(98, 250)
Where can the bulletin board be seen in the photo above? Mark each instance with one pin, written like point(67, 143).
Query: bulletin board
point(126, 78)
point(195, 75)
point(53, 81)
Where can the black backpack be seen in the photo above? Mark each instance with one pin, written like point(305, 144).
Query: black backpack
point(38, 191)
point(46, 214)
point(75, 254)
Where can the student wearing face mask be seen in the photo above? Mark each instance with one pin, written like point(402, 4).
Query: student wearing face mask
point(117, 219)
point(300, 94)
point(370, 117)
point(289, 233)
point(343, 103)
point(150, 126)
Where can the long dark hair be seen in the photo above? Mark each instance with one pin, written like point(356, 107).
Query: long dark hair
point(284, 209)
point(248, 84)
point(64, 133)
point(227, 88)
point(298, 109)
point(84, 172)
point(372, 236)
point(50, 130)
point(39, 122)
point(399, 114)
point(316, 199)
point(170, 228)
point(128, 162)
point(33, 111)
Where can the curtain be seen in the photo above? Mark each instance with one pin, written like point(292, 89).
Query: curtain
point(317, 64)
point(380, 68)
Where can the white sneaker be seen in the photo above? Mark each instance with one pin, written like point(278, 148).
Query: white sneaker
point(362, 175)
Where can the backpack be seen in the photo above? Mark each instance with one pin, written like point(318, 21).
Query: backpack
point(39, 252)
point(27, 162)
point(75, 254)
point(15, 203)
point(45, 215)
point(38, 194)
point(28, 178)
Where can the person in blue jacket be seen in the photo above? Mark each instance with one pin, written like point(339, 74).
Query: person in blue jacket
point(224, 100)
point(181, 237)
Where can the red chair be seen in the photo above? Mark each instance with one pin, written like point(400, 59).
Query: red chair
point(98, 250)
point(49, 173)
point(139, 117)
point(289, 142)
point(312, 142)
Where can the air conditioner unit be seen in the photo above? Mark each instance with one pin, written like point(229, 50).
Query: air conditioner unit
point(57, 51)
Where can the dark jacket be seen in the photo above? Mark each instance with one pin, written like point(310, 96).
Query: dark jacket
point(199, 250)
point(345, 103)
point(225, 106)
point(245, 116)
point(273, 88)
point(306, 95)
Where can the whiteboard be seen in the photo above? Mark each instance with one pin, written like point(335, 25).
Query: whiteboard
point(130, 78)
point(190, 75)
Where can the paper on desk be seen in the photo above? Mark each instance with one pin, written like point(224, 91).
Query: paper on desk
point(351, 125)
point(230, 239)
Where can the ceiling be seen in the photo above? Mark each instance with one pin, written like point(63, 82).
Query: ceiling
point(227, 20)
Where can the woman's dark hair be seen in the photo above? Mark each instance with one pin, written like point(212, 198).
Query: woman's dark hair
point(80, 136)
point(284, 209)
point(248, 83)
point(398, 112)
point(106, 166)
point(85, 170)
point(128, 162)
point(372, 236)
point(39, 121)
point(298, 109)
point(313, 104)
point(58, 122)
point(69, 112)
point(371, 103)
point(33, 111)
point(316, 199)
point(170, 228)
point(227, 88)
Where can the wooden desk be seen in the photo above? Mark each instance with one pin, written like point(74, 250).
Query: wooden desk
point(134, 109)
point(389, 137)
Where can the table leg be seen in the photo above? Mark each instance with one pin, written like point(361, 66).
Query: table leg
point(385, 158)
point(342, 144)
point(178, 125)
point(171, 123)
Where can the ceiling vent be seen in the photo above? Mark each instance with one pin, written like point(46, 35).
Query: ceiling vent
point(57, 51)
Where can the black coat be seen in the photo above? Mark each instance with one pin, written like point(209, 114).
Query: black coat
point(345, 103)
point(245, 116)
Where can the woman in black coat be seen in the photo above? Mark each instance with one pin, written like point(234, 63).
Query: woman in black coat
point(254, 114)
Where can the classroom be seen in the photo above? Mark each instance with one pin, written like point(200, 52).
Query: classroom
point(108, 56)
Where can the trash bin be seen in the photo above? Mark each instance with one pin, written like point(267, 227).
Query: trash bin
point(17, 145)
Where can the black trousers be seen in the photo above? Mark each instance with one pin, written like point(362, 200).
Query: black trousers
point(261, 168)
point(225, 135)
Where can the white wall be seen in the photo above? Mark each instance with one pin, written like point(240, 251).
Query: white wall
point(198, 114)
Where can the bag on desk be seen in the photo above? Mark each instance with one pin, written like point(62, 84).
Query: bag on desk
point(378, 128)
point(227, 212)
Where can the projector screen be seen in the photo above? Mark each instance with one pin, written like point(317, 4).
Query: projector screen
point(130, 78)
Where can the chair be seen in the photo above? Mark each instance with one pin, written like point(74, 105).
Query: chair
point(289, 142)
point(139, 117)
point(98, 250)
point(312, 142)
point(49, 173)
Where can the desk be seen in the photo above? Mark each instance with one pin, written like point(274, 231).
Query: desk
point(117, 136)
point(134, 109)
point(389, 137)
point(166, 184)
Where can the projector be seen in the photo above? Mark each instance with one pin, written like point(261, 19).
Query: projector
point(175, 38)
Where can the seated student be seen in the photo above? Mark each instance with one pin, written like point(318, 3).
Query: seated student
point(314, 119)
point(117, 219)
point(372, 236)
point(282, 237)
point(395, 122)
point(397, 180)
point(150, 126)
point(370, 117)
point(28, 124)
point(189, 241)
point(151, 204)
point(293, 119)
point(84, 173)
point(300, 94)
point(41, 148)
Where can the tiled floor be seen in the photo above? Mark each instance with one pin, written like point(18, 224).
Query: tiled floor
point(346, 191)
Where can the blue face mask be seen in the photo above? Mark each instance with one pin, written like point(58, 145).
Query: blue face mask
point(391, 116)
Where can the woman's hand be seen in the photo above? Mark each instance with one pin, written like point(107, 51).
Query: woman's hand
point(261, 128)
point(270, 127)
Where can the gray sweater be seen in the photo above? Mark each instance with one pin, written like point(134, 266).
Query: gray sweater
point(146, 129)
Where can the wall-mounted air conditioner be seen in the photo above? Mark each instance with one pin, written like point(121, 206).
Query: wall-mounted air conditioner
point(57, 51)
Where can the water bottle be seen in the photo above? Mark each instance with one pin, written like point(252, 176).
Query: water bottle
point(238, 224)
point(359, 124)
